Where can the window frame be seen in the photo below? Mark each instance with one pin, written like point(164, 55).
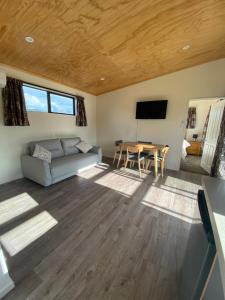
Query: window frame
point(53, 92)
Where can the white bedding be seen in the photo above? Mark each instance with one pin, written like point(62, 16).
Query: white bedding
point(184, 147)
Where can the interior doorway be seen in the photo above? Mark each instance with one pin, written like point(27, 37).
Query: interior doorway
point(195, 133)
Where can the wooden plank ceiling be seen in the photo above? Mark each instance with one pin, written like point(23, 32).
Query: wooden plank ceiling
point(124, 41)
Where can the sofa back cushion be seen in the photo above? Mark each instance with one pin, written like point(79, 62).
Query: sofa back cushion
point(53, 145)
point(69, 145)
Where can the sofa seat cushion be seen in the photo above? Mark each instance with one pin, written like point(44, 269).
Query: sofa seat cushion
point(69, 145)
point(70, 164)
point(53, 145)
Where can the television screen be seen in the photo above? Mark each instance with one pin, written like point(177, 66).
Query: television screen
point(151, 109)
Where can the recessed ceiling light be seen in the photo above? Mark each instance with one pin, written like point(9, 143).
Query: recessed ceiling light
point(102, 78)
point(186, 47)
point(29, 39)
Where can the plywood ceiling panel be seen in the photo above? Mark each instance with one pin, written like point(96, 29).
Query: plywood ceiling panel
point(125, 41)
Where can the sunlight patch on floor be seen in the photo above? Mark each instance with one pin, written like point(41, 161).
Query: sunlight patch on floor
point(133, 173)
point(181, 184)
point(23, 235)
point(178, 202)
point(94, 171)
point(88, 174)
point(16, 206)
point(173, 213)
point(124, 182)
point(170, 189)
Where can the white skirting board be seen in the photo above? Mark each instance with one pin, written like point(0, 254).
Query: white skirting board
point(15, 206)
point(23, 235)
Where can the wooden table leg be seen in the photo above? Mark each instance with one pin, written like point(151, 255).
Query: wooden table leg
point(119, 158)
point(156, 161)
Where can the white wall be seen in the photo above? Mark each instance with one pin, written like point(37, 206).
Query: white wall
point(13, 140)
point(202, 109)
point(115, 114)
point(116, 110)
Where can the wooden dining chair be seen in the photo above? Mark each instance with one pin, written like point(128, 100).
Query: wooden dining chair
point(145, 150)
point(118, 154)
point(161, 159)
point(135, 155)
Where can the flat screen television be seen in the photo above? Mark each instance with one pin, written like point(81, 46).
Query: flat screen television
point(151, 109)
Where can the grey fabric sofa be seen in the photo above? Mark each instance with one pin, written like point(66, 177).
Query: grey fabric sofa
point(67, 160)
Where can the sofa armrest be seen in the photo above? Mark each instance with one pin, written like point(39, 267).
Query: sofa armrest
point(98, 151)
point(36, 169)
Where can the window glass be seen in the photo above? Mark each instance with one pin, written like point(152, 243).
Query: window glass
point(61, 104)
point(35, 99)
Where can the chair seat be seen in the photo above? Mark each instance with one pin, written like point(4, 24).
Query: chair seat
point(124, 152)
point(151, 157)
point(134, 156)
point(146, 153)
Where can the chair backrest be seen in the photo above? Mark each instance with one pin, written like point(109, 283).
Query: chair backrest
point(134, 149)
point(165, 151)
point(117, 143)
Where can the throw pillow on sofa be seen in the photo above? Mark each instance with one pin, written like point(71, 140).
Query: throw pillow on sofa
point(84, 147)
point(42, 153)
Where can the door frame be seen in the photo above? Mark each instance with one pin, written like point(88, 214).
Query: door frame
point(185, 118)
point(220, 100)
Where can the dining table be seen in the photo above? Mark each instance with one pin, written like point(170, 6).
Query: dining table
point(154, 148)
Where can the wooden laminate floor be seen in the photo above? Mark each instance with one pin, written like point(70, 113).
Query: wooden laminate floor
point(192, 163)
point(117, 237)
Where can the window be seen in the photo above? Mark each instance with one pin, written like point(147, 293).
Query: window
point(36, 100)
point(41, 100)
point(61, 104)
